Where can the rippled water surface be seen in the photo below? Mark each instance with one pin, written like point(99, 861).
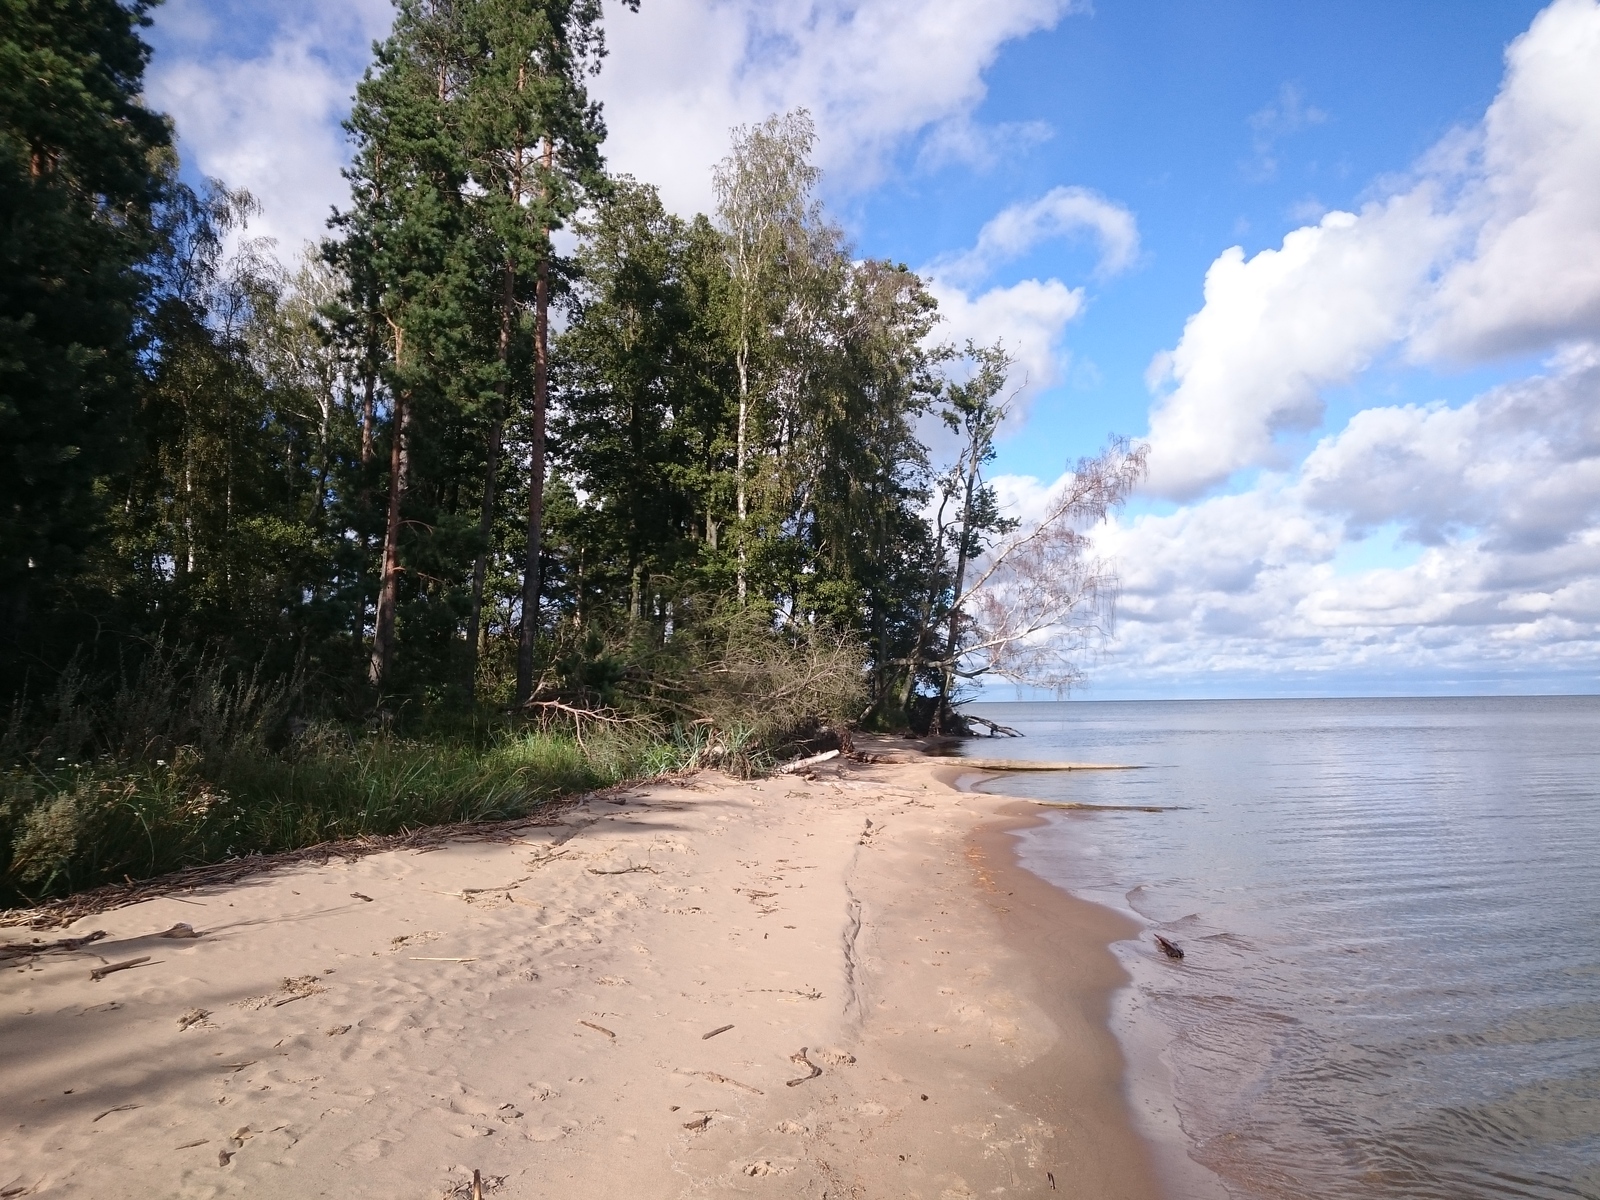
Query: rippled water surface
point(1391, 916)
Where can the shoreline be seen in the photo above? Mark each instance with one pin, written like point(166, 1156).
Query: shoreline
point(1147, 1089)
point(844, 985)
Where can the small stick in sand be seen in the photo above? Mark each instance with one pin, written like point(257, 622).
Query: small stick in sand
point(359, 896)
point(192, 1145)
point(194, 1016)
point(719, 1029)
point(118, 1108)
point(414, 958)
point(599, 1029)
point(11, 950)
point(290, 999)
point(100, 973)
point(803, 1061)
point(1170, 949)
point(477, 1185)
point(503, 888)
point(1051, 1176)
point(698, 1123)
point(540, 861)
point(622, 870)
point(715, 1078)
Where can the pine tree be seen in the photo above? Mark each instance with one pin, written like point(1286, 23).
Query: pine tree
point(532, 140)
point(80, 169)
point(408, 247)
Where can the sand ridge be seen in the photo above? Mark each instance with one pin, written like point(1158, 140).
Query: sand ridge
point(788, 987)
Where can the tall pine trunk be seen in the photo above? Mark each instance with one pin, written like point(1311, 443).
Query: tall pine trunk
point(531, 572)
point(389, 584)
point(480, 565)
point(541, 397)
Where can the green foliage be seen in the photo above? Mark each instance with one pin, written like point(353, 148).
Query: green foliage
point(181, 762)
point(81, 165)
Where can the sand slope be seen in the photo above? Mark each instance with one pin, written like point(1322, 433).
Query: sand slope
point(537, 1008)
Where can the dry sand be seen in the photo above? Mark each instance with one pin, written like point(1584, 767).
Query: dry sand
point(903, 1012)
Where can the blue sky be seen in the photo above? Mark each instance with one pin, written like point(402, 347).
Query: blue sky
point(1374, 446)
point(1176, 110)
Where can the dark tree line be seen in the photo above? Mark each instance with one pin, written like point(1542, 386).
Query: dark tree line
point(438, 462)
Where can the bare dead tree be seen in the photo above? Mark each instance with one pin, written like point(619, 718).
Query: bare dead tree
point(1041, 600)
point(1028, 602)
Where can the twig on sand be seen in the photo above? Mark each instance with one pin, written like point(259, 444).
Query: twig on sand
point(414, 958)
point(715, 1078)
point(118, 1108)
point(719, 1029)
point(9, 950)
point(801, 1060)
point(599, 1029)
point(506, 887)
point(535, 863)
point(698, 1123)
point(100, 973)
point(622, 870)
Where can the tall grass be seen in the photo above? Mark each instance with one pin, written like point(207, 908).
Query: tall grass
point(176, 766)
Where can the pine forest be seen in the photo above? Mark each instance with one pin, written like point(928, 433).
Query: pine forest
point(516, 485)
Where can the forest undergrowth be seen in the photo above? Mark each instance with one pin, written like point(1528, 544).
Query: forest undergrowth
point(185, 760)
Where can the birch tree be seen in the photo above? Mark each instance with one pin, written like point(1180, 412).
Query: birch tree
point(764, 206)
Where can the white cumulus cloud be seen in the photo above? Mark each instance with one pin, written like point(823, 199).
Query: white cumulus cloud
point(268, 121)
point(875, 75)
point(1060, 212)
point(879, 77)
point(1279, 328)
point(1492, 248)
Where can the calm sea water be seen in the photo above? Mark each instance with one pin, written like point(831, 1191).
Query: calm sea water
point(1391, 916)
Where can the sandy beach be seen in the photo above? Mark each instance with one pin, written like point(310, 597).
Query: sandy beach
point(834, 986)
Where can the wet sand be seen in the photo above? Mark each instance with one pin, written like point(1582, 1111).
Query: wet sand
point(839, 986)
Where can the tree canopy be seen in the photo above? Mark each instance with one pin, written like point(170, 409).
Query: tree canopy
point(437, 464)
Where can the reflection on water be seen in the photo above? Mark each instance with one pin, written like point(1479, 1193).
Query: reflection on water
point(1391, 917)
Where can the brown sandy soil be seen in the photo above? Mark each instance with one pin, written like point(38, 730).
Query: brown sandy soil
point(539, 1010)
